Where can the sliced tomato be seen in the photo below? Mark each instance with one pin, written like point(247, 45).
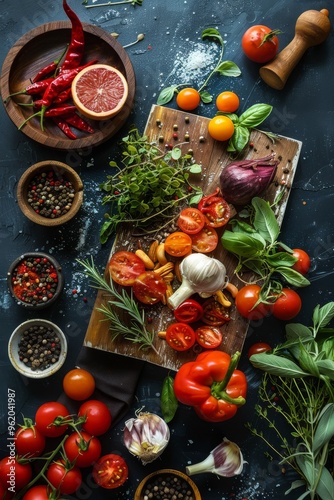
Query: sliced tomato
point(216, 209)
point(189, 311)
point(125, 267)
point(215, 314)
point(149, 287)
point(209, 337)
point(205, 241)
point(191, 220)
point(110, 471)
point(178, 244)
point(180, 336)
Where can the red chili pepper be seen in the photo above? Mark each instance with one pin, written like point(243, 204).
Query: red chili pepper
point(59, 111)
point(49, 68)
point(64, 127)
point(212, 385)
point(63, 96)
point(77, 44)
point(76, 121)
point(37, 88)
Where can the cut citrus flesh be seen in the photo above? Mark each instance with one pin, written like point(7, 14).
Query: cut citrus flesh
point(99, 91)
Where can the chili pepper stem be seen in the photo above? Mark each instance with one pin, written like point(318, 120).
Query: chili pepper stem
point(30, 117)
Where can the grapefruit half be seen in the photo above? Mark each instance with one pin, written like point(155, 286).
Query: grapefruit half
point(99, 91)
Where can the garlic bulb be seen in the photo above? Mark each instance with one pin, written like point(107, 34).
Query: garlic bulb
point(146, 436)
point(200, 274)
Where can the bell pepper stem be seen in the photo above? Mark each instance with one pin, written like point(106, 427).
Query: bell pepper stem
point(218, 388)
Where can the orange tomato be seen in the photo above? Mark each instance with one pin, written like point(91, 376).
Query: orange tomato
point(227, 101)
point(188, 99)
point(221, 128)
point(78, 384)
point(178, 244)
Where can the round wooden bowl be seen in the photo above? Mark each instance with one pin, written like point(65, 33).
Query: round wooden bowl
point(59, 169)
point(140, 491)
point(41, 46)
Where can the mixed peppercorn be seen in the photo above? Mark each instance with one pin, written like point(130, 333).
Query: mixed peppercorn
point(39, 347)
point(168, 487)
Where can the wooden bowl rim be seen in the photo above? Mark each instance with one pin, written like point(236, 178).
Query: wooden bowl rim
point(139, 490)
point(103, 131)
point(22, 186)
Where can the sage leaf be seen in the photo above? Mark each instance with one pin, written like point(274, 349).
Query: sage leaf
point(276, 365)
point(298, 331)
point(307, 362)
point(264, 220)
point(292, 277)
point(323, 315)
point(294, 485)
point(325, 487)
point(306, 465)
point(166, 95)
point(325, 428)
point(168, 401)
point(228, 68)
point(326, 367)
point(244, 245)
point(255, 115)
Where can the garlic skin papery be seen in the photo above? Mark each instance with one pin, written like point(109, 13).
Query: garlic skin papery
point(146, 436)
point(225, 460)
point(200, 274)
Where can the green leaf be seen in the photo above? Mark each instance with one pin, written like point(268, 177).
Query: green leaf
point(292, 277)
point(325, 487)
point(244, 245)
point(325, 428)
point(239, 226)
point(194, 200)
point(264, 220)
point(239, 139)
point(228, 68)
point(298, 331)
point(280, 259)
point(255, 115)
point(166, 95)
point(169, 403)
point(206, 97)
point(307, 362)
point(213, 35)
point(277, 365)
point(306, 465)
point(323, 315)
point(326, 367)
point(195, 169)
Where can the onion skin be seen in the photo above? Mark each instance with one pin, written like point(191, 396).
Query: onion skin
point(240, 181)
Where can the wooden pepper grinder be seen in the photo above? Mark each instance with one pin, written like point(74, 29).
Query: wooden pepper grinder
point(312, 28)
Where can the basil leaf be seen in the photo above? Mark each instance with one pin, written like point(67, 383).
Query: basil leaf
point(280, 259)
point(168, 401)
point(228, 68)
point(307, 362)
point(166, 95)
point(206, 97)
point(325, 486)
point(231, 116)
point(326, 367)
point(298, 331)
point(255, 265)
point(323, 315)
point(239, 226)
point(255, 115)
point(293, 277)
point(264, 220)
point(239, 139)
point(244, 245)
point(276, 365)
point(212, 33)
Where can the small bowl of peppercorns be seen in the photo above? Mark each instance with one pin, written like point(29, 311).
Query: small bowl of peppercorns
point(50, 193)
point(35, 280)
point(37, 348)
point(167, 484)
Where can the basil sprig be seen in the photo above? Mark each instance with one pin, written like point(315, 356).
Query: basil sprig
point(168, 402)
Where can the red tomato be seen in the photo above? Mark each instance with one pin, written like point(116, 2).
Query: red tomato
point(178, 244)
point(98, 417)
point(40, 492)
point(29, 441)
point(191, 220)
point(215, 314)
point(125, 267)
point(209, 337)
point(46, 419)
point(215, 209)
point(303, 263)
point(84, 449)
point(205, 241)
point(110, 471)
point(66, 481)
point(13, 473)
point(78, 384)
point(245, 301)
point(188, 312)
point(180, 336)
point(258, 348)
point(260, 43)
point(149, 287)
point(288, 305)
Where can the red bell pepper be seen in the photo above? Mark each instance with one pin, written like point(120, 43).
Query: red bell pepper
point(212, 385)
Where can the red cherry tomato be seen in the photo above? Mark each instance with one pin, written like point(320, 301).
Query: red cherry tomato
point(303, 263)
point(29, 441)
point(245, 301)
point(180, 336)
point(78, 384)
point(125, 267)
point(149, 287)
point(188, 312)
point(287, 306)
point(46, 416)
point(98, 417)
point(110, 471)
point(84, 449)
point(214, 313)
point(205, 241)
point(66, 481)
point(12, 470)
point(258, 348)
point(40, 492)
point(216, 209)
point(178, 244)
point(191, 220)
point(209, 337)
point(260, 43)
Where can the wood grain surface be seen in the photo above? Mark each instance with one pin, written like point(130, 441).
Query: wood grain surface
point(192, 135)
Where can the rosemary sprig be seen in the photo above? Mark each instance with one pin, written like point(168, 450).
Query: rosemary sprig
point(136, 331)
point(108, 4)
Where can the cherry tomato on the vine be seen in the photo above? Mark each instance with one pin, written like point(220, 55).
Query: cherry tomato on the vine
point(65, 480)
point(227, 101)
point(22, 472)
point(288, 305)
point(124, 267)
point(258, 348)
point(245, 301)
point(82, 448)
point(46, 419)
point(178, 244)
point(191, 220)
point(221, 128)
point(98, 417)
point(188, 99)
point(303, 263)
point(208, 337)
point(180, 336)
point(260, 43)
point(39, 492)
point(78, 384)
point(205, 241)
point(189, 311)
point(110, 471)
point(149, 287)
point(29, 441)
point(215, 209)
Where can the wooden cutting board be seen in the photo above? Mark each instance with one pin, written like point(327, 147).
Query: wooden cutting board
point(192, 135)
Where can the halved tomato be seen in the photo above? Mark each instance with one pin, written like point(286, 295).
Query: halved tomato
point(209, 337)
point(125, 267)
point(216, 209)
point(180, 336)
point(205, 241)
point(110, 471)
point(189, 311)
point(191, 220)
point(215, 314)
point(178, 244)
point(149, 287)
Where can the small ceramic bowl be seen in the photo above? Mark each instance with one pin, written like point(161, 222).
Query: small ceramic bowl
point(43, 179)
point(168, 475)
point(48, 339)
point(35, 280)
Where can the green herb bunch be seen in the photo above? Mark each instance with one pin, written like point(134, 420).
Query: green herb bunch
point(149, 187)
point(255, 244)
point(301, 371)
